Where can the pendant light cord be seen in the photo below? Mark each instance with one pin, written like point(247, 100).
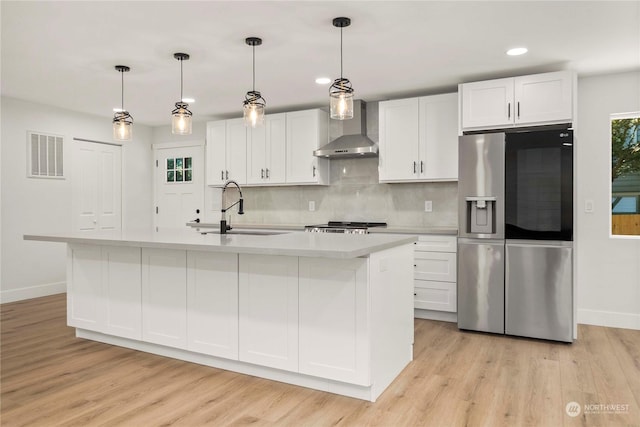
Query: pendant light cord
point(181, 80)
point(122, 90)
point(254, 68)
point(341, 52)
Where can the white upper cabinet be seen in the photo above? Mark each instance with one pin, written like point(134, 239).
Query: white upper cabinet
point(419, 139)
point(307, 130)
point(226, 152)
point(538, 99)
point(266, 151)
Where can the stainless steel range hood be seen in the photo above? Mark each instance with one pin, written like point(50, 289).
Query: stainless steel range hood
point(354, 141)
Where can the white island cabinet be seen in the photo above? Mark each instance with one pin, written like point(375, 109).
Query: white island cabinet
point(330, 312)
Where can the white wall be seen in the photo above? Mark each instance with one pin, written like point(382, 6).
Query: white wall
point(30, 205)
point(608, 269)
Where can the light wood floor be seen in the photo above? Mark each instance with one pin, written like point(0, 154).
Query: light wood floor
point(51, 378)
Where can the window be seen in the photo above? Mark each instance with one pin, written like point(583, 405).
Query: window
point(46, 155)
point(179, 169)
point(625, 174)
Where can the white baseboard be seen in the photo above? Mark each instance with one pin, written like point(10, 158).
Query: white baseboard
point(11, 295)
point(610, 319)
point(443, 316)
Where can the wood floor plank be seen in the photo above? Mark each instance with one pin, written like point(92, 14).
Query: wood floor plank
point(50, 378)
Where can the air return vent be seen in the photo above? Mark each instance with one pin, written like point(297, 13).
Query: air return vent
point(45, 155)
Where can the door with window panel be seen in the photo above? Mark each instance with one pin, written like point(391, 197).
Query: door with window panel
point(179, 186)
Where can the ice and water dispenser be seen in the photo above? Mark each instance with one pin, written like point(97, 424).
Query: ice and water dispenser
point(481, 215)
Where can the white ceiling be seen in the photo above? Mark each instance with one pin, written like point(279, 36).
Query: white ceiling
point(64, 53)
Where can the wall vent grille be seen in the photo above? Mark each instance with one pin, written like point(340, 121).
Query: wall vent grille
point(46, 155)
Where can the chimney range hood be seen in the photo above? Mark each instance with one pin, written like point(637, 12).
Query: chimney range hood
point(354, 142)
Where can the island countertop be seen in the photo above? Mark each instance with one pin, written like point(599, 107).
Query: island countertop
point(288, 243)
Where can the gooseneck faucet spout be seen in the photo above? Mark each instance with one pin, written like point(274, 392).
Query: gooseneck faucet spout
point(223, 221)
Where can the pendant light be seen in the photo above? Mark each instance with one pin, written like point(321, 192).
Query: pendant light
point(341, 92)
point(122, 120)
point(181, 116)
point(254, 103)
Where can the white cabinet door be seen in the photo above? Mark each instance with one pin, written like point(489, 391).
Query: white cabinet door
point(487, 104)
point(439, 137)
point(268, 293)
point(164, 297)
point(276, 151)
point(212, 301)
point(543, 98)
point(307, 130)
point(398, 155)
point(121, 284)
point(334, 334)
point(266, 151)
point(256, 154)
point(236, 151)
point(84, 287)
point(216, 152)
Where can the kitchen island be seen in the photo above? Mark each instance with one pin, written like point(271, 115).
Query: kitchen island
point(329, 312)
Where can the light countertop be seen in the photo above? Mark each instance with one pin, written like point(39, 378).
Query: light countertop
point(287, 243)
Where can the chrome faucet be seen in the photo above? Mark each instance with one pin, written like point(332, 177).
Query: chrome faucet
point(223, 221)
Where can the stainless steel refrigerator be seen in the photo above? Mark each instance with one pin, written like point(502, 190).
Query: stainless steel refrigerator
point(515, 234)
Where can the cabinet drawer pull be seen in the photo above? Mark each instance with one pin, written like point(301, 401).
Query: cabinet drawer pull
point(262, 173)
point(267, 173)
point(518, 109)
point(509, 110)
point(314, 171)
point(227, 174)
point(414, 167)
point(421, 166)
point(221, 175)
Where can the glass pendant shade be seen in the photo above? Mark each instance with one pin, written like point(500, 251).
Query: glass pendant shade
point(253, 104)
point(341, 100)
point(122, 120)
point(181, 116)
point(181, 119)
point(253, 109)
point(122, 126)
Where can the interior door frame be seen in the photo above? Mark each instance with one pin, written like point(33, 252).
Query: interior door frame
point(177, 144)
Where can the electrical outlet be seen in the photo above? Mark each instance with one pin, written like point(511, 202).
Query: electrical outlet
point(312, 206)
point(428, 206)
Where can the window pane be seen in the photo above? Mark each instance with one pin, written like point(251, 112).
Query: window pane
point(35, 170)
point(51, 156)
point(625, 174)
point(170, 164)
point(178, 163)
point(43, 155)
point(170, 176)
point(187, 175)
point(59, 157)
point(178, 176)
point(187, 162)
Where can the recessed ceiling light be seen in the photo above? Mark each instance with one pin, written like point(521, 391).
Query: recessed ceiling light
point(188, 100)
point(323, 80)
point(517, 51)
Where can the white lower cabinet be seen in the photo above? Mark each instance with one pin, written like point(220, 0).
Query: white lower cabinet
point(164, 297)
point(268, 310)
point(212, 301)
point(334, 334)
point(435, 262)
point(103, 292)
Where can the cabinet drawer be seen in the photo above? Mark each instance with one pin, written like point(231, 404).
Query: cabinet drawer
point(438, 266)
point(434, 243)
point(440, 296)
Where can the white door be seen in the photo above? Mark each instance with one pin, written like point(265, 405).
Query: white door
point(487, 104)
point(439, 137)
point(179, 185)
point(97, 186)
point(543, 98)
